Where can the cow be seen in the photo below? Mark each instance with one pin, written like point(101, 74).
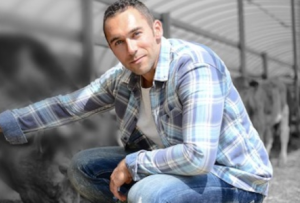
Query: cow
point(267, 106)
point(37, 170)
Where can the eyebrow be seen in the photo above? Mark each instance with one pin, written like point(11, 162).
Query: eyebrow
point(131, 31)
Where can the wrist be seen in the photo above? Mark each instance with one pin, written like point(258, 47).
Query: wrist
point(124, 165)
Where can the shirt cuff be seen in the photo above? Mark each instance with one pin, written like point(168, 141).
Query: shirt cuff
point(11, 128)
point(131, 164)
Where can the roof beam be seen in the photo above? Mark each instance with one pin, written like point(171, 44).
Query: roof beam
point(87, 40)
point(223, 40)
point(296, 77)
point(166, 21)
point(242, 41)
point(210, 35)
point(27, 26)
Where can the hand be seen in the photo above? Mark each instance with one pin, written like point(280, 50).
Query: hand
point(119, 177)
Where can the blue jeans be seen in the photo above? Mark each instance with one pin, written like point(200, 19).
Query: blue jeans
point(91, 169)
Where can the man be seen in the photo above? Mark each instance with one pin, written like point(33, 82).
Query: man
point(186, 132)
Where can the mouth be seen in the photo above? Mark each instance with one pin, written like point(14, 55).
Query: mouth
point(135, 61)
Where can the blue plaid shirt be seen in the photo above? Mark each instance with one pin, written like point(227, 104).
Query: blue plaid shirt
point(199, 116)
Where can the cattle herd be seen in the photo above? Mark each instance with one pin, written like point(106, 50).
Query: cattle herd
point(36, 172)
point(267, 105)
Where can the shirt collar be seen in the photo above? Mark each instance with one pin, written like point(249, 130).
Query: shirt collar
point(163, 65)
point(162, 68)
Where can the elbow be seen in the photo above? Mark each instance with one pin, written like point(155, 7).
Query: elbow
point(200, 161)
point(201, 169)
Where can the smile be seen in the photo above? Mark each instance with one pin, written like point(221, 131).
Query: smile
point(137, 60)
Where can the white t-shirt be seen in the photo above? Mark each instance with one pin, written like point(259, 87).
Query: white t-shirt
point(145, 121)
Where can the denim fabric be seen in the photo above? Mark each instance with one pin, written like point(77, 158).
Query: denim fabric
point(91, 169)
point(208, 188)
point(90, 172)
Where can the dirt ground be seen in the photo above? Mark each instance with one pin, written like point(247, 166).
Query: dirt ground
point(285, 186)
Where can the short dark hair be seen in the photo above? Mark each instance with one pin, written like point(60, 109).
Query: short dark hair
point(122, 5)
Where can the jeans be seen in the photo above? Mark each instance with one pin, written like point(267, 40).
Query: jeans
point(90, 172)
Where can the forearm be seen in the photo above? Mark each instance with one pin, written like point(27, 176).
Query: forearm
point(182, 159)
point(60, 110)
point(50, 113)
point(43, 115)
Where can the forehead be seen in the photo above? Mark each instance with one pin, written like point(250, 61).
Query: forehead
point(124, 22)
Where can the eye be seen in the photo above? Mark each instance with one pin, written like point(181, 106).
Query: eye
point(136, 34)
point(118, 42)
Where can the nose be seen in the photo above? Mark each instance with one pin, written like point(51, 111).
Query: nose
point(131, 46)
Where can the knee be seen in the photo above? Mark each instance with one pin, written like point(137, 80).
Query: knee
point(138, 195)
point(77, 177)
point(146, 191)
point(73, 170)
point(75, 162)
point(80, 180)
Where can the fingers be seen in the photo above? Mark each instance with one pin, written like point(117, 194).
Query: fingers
point(119, 177)
point(115, 190)
point(116, 181)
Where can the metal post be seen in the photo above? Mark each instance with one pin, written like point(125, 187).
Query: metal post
point(242, 43)
point(210, 35)
point(293, 7)
point(87, 41)
point(166, 20)
point(265, 65)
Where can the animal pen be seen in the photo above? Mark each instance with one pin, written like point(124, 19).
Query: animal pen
point(256, 39)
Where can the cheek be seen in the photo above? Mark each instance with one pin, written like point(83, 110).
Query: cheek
point(148, 44)
point(120, 54)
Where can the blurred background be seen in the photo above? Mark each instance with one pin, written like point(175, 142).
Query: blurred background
point(50, 47)
point(73, 29)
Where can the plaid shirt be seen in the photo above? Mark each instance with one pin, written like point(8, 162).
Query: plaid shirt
point(198, 113)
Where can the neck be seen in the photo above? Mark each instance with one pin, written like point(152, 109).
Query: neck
point(147, 79)
point(146, 83)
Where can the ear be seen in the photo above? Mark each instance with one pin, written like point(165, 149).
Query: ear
point(157, 29)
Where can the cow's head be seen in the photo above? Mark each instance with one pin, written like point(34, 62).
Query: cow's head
point(38, 169)
point(46, 166)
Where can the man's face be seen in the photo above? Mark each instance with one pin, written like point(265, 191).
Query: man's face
point(133, 41)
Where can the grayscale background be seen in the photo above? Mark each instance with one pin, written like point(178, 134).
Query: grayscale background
point(51, 47)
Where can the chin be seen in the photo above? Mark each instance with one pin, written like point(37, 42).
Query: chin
point(144, 73)
point(140, 71)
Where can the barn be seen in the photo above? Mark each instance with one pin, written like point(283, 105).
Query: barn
point(51, 47)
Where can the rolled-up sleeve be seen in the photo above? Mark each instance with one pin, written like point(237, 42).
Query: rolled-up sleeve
point(201, 90)
point(60, 110)
point(11, 128)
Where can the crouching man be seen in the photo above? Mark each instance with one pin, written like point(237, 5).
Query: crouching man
point(187, 136)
